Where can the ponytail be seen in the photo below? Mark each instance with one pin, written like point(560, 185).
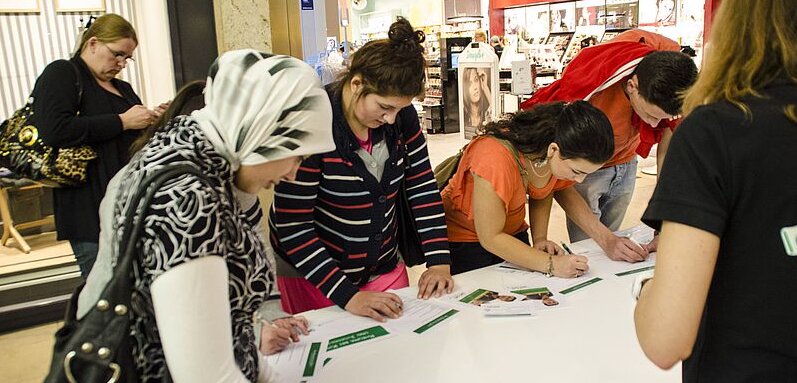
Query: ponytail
point(578, 128)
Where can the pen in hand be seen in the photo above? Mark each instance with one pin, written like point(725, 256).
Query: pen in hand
point(630, 238)
point(580, 260)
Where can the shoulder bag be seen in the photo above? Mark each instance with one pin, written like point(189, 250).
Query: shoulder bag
point(97, 348)
point(24, 153)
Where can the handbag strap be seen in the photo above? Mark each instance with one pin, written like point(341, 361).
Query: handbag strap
point(121, 281)
point(512, 150)
point(524, 174)
point(78, 84)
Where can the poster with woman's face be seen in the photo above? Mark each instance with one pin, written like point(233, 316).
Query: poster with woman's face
point(477, 96)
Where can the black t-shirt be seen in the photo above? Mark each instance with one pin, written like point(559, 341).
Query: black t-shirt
point(736, 177)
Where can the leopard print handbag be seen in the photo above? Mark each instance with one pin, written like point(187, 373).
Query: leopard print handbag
point(23, 152)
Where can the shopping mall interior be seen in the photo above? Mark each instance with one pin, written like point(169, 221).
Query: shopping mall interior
point(179, 39)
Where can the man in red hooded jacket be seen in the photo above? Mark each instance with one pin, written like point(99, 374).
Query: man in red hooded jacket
point(636, 80)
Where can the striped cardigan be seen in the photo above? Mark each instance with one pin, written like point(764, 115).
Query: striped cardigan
point(336, 224)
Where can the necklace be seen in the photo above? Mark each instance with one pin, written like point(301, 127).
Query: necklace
point(538, 164)
point(544, 174)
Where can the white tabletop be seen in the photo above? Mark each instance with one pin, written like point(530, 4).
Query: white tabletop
point(590, 339)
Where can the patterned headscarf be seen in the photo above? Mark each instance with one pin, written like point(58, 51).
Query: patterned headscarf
point(261, 108)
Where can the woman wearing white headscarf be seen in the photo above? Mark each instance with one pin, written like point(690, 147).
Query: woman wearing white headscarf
point(203, 272)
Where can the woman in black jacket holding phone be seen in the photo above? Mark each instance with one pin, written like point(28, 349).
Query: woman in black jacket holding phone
point(81, 102)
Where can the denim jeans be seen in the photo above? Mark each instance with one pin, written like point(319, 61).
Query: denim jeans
point(86, 254)
point(608, 193)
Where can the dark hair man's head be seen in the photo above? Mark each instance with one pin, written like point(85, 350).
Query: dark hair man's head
point(662, 77)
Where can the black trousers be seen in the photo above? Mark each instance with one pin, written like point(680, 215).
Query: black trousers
point(467, 256)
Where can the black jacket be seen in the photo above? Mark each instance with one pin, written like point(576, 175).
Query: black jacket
point(55, 106)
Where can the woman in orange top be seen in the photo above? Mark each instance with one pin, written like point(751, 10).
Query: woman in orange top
point(534, 153)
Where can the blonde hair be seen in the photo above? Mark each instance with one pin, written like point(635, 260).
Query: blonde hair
point(480, 34)
point(752, 44)
point(108, 28)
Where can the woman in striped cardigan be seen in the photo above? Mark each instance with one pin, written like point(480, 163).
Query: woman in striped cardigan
point(334, 228)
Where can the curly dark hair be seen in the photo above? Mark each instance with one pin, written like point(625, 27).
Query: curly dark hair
point(580, 129)
point(393, 66)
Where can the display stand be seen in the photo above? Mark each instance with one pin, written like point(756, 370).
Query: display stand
point(11, 229)
point(612, 33)
point(478, 88)
point(547, 62)
point(582, 33)
point(560, 41)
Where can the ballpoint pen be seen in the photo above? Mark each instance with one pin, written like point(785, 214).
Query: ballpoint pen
point(567, 249)
point(635, 241)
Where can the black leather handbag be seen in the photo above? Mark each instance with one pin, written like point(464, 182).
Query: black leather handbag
point(409, 241)
point(24, 153)
point(97, 347)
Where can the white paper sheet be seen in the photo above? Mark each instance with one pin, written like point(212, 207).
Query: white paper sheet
point(419, 315)
point(298, 362)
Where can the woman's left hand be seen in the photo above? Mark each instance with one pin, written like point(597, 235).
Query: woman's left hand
point(435, 280)
point(549, 247)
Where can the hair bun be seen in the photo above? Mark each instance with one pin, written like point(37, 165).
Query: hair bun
point(401, 33)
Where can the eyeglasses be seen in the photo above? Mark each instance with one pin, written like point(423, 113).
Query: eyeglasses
point(122, 57)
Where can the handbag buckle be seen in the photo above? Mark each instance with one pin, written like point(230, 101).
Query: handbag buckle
point(28, 135)
point(117, 371)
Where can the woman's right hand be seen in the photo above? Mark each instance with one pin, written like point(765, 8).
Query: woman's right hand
point(137, 117)
point(569, 266)
point(273, 339)
point(376, 305)
point(295, 324)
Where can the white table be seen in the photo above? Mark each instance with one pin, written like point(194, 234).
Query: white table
point(590, 340)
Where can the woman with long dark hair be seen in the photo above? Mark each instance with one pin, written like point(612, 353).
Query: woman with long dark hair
point(530, 154)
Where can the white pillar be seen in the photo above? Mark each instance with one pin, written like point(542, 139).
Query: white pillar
point(314, 29)
point(155, 52)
